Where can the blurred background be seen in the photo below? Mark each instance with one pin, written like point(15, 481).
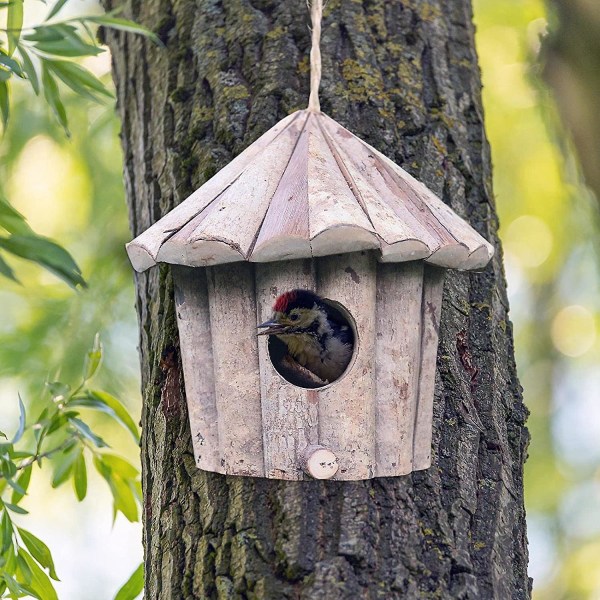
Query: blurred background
point(71, 190)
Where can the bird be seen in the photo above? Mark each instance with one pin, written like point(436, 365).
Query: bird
point(315, 334)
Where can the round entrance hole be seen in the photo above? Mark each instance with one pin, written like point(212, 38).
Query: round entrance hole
point(306, 371)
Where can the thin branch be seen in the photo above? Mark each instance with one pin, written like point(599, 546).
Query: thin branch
point(39, 455)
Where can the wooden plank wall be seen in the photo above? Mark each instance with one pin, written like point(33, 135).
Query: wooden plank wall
point(232, 305)
point(193, 321)
point(289, 413)
point(347, 407)
point(377, 419)
point(430, 325)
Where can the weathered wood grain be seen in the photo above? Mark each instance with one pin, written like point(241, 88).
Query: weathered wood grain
point(284, 232)
point(319, 462)
point(289, 413)
point(347, 408)
point(237, 380)
point(461, 247)
point(403, 236)
point(193, 322)
point(144, 249)
point(313, 188)
point(398, 360)
point(431, 307)
point(226, 230)
point(336, 220)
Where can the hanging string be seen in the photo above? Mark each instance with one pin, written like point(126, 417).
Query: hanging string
point(316, 14)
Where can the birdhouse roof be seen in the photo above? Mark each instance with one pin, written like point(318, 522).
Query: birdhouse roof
point(309, 187)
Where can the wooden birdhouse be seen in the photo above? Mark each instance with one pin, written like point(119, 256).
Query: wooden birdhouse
point(311, 206)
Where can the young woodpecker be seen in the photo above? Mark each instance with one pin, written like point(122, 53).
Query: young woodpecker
point(315, 333)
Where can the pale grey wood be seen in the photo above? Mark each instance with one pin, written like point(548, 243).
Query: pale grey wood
point(430, 318)
point(226, 230)
point(193, 322)
point(347, 407)
point(450, 252)
point(143, 250)
point(398, 356)
point(376, 419)
point(237, 381)
point(403, 236)
point(309, 187)
point(480, 250)
point(449, 255)
point(284, 233)
point(319, 462)
point(289, 413)
point(337, 223)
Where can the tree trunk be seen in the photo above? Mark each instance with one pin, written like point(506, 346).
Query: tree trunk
point(404, 77)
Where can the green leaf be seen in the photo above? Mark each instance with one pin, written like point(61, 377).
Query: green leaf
point(14, 24)
point(53, 99)
point(93, 359)
point(16, 509)
point(64, 466)
point(21, 454)
point(4, 103)
point(39, 551)
point(133, 587)
point(10, 565)
point(22, 417)
point(80, 478)
point(120, 466)
point(39, 580)
point(51, 33)
point(29, 70)
point(14, 485)
point(10, 63)
point(87, 433)
point(108, 404)
point(27, 589)
point(12, 220)
point(23, 567)
point(123, 25)
point(7, 271)
point(6, 448)
point(23, 482)
point(46, 253)
point(70, 47)
point(57, 421)
point(55, 9)
point(6, 528)
point(123, 497)
point(80, 80)
point(13, 586)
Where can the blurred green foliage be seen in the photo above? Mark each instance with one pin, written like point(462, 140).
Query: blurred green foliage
point(59, 436)
point(571, 55)
point(43, 55)
point(549, 226)
point(69, 190)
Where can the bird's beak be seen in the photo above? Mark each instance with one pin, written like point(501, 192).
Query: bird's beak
point(270, 327)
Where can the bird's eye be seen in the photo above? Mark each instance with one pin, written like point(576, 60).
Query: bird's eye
point(294, 317)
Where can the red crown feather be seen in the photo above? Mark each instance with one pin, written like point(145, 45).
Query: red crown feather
point(283, 301)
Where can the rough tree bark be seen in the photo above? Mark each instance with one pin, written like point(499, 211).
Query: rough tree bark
point(404, 76)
